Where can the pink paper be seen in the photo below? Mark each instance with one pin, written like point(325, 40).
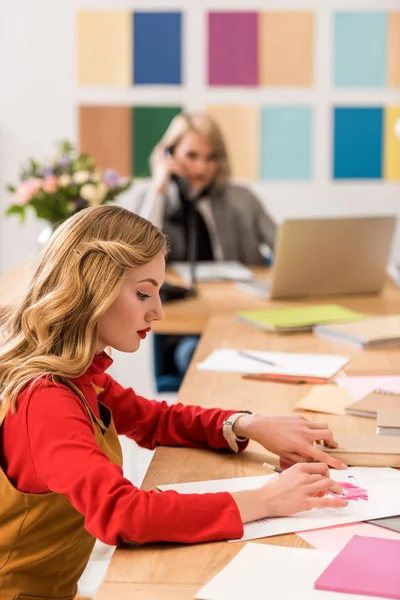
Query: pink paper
point(233, 48)
point(366, 565)
point(358, 387)
point(334, 539)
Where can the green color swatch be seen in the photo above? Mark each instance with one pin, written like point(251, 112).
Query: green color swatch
point(149, 124)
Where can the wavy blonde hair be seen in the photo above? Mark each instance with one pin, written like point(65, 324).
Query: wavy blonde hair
point(203, 124)
point(53, 331)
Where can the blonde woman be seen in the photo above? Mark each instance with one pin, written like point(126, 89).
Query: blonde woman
point(191, 161)
point(61, 479)
point(190, 168)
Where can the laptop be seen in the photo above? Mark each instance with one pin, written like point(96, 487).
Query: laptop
point(329, 256)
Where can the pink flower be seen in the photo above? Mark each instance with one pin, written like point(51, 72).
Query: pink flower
point(27, 189)
point(50, 184)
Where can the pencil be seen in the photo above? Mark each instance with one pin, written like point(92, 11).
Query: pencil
point(269, 466)
point(258, 358)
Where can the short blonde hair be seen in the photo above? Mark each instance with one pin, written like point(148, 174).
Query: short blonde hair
point(203, 124)
point(53, 332)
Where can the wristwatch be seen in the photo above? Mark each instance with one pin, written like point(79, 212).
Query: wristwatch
point(229, 434)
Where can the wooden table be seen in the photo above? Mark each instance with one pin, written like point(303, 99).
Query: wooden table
point(175, 571)
point(191, 316)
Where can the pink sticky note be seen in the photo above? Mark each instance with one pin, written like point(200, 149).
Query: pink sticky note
point(366, 565)
point(334, 539)
point(358, 387)
point(233, 48)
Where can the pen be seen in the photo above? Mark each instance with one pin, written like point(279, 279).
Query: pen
point(263, 360)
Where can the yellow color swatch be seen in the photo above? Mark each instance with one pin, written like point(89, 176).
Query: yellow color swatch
point(394, 50)
point(392, 143)
point(286, 48)
point(105, 48)
point(240, 127)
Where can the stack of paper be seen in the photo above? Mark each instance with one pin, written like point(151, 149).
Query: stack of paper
point(303, 318)
point(377, 332)
point(367, 450)
point(281, 363)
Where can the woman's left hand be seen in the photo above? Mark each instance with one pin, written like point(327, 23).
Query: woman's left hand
point(291, 438)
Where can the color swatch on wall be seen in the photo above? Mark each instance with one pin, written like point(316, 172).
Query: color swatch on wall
point(268, 48)
point(366, 49)
point(105, 132)
point(149, 123)
point(286, 146)
point(104, 47)
point(157, 48)
point(121, 48)
point(358, 136)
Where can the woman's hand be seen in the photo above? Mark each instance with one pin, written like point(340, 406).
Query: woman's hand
point(302, 487)
point(163, 166)
point(291, 438)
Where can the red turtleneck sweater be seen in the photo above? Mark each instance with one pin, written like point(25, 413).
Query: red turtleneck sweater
point(48, 445)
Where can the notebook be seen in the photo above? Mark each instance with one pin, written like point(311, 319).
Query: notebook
point(367, 450)
point(330, 399)
point(360, 386)
point(388, 422)
point(286, 320)
point(377, 332)
point(370, 404)
point(366, 565)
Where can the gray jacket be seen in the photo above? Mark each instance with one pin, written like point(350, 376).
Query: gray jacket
point(236, 221)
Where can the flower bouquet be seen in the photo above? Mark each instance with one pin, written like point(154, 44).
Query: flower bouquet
point(60, 188)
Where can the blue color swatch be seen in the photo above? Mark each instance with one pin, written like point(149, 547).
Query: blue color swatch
point(157, 48)
point(358, 143)
point(286, 142)
point(360, 49)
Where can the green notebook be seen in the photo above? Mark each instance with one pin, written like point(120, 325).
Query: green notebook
point(298, 318)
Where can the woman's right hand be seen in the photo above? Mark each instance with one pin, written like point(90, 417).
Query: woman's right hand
point(302, 487)
point(163, 166)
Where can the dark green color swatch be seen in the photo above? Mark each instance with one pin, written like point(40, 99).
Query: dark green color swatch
point(148, 126)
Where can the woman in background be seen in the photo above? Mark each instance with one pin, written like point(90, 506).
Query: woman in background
point(190, 169)
point(191, 162)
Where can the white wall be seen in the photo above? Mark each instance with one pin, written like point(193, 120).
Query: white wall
point(39, 97)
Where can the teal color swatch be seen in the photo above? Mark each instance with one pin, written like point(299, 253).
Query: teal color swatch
point(360, 40)
point(357, 152)
point(286, 142)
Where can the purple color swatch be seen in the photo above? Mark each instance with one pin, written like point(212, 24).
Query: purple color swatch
point(367, 566)
point(233, 48)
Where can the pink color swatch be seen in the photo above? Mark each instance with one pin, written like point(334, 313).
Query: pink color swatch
point(233, 48)
point(334, 539)
point(366, 565)
point(352, 492)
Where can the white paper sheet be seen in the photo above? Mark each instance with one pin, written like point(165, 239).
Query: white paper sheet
point(383, 486)
point(214, 271)
point(287, 363)
point(261, 572)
